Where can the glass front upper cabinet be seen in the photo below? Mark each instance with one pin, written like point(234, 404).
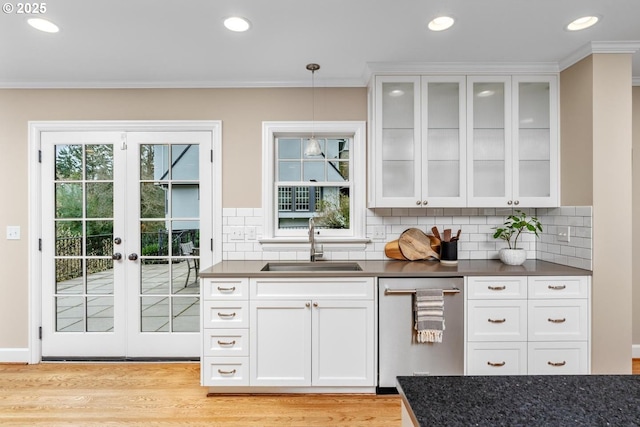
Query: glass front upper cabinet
point(418, 150)
point(513, 142)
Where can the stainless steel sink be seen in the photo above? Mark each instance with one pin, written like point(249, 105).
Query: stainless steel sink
point(312, 266)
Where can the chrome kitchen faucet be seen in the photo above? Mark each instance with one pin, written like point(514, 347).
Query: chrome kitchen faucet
point(312, 241)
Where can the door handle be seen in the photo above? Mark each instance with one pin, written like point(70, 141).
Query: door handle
point(133, 257)
point(117, 240)
point(117, 256)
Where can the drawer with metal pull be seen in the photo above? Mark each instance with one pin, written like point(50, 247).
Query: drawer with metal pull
point(501, 320)
point(229, 371)
point(558, 320)
point(225, 314)
point(559, 287)
point(226, 288)
point(225, 342)
point(558, 358)
point(490, 358)
point(498, 287)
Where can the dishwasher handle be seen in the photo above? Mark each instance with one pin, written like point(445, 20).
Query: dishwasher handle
point(388, 291)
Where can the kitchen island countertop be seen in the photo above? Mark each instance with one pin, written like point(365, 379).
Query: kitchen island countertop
point(393, 268)
point(550, 400)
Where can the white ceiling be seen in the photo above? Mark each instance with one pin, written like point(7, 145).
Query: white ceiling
point(182, 43)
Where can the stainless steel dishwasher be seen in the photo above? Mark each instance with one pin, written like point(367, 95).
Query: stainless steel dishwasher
point(398, 352)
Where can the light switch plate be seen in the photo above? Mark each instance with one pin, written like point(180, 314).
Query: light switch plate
point(378, 232)
point(236, 233)
point(13, 232)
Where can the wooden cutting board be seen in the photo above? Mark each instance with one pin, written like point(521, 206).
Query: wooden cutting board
point(416, 245)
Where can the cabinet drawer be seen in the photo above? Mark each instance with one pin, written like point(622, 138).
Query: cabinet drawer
point(227, 288)
point(561, 320)
point(497, 320)
point(497, 358)
point(558, 358)
point(225, 314)
point(558, 287)
point(497, 287)
point(225, 342)
point(361, 288)
point(231, 371)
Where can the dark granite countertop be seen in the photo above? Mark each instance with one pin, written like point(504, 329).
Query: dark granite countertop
point(549, 400)
point(393, 268)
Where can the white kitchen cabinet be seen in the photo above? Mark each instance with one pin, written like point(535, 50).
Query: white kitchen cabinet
point(512, 141)
point(225, 334)
point(311, 333)
point(418, 155)
point(527, 325)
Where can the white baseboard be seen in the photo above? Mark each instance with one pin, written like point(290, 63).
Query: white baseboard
point(635, 351)
point(14, 355)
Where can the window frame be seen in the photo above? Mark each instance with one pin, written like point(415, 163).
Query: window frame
point(356, 130)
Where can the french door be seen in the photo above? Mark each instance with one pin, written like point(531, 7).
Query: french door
point(123, 238)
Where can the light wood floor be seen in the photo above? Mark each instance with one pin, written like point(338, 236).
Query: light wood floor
point(150, 394)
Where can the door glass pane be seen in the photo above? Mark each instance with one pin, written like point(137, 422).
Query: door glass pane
point(100, 314)
point(69, 277)
point(68, 162)
point(68, 200)
point(99, 162)
point(83, 247)
point(99, 200)
point(185, 162)
point(170, 238)
point(69, 314)
point(154, 162)
point(154, 314)
point(100, 276)
point(154, 276)
point(186, 312)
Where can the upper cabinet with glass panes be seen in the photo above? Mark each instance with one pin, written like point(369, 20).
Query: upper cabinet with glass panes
point(477, 141)
point(418, 152)
point(512, 141)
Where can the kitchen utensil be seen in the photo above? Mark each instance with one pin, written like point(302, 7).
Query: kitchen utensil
point(435, 232)
point(447, 235)
point(416, 245)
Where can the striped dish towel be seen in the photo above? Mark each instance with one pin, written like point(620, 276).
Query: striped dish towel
point(428, 309)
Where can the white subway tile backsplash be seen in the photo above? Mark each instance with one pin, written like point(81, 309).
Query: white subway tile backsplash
point(476, 240)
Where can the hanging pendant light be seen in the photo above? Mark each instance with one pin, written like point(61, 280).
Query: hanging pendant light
point(313, 146)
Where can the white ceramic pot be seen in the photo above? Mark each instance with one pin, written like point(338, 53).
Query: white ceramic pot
point(512, 256)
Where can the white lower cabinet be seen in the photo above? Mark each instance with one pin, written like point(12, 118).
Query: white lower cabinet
point(535, 325)
point(301, 334)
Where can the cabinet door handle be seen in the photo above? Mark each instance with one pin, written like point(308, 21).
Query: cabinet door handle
point(557, 287)
point(227, 342)
point(497, 288)
point(557, 363)
point(221, 372)
point(315, 304)
point(307, 304)
point(227, 314)
point(496, 364)
point(496, 320)
point(557, 320)
point(231, 289)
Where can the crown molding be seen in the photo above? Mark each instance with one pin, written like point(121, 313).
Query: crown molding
point(599, 47)
point(399, 68)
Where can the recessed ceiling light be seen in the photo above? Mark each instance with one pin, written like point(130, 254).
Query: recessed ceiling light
point(582, 23)
point(237, 23)
point(441, 23)
point(43, 25)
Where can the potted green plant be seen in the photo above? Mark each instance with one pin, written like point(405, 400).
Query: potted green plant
point(516, 224)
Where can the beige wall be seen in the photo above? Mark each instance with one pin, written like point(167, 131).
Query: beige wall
point(596, 118)
point(636, 215)
point(576, 134)
point(241, 111)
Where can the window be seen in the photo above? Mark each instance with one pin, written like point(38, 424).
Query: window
point(299, 185)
